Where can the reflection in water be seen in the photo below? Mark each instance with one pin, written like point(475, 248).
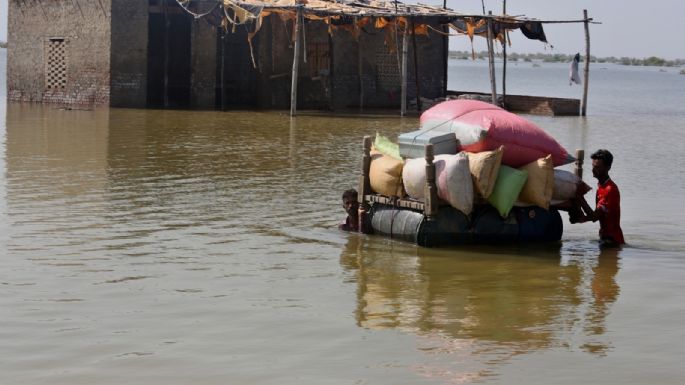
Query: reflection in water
point(479, 307)
point(605, 291)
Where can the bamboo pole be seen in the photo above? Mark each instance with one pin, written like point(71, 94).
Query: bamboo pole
point(296, 63)
point(416, 69)
point(583, 111)
point(504, 59)
point(491, 60)
point(405, 49)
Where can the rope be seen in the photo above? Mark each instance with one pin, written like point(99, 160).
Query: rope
point(184, 4)
point(443, 33)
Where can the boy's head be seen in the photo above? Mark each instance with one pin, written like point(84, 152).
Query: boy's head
point(601, 163)
point(350, 203)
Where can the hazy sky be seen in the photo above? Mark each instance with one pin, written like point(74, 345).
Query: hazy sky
point(629, 27)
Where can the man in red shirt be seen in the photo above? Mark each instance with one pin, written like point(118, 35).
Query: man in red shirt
point(608, 201)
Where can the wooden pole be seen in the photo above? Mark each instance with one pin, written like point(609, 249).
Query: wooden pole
point(491, 60)
point(223, 69)
point(166, 55)
point(405, 49)
point(580, 159)
point(504, 59)
point(360, 72)
point(331, 72)
point(587, 62)
point(296, 63)
point(364, 188)
point(445, 53)
point(416, 68)
point(364, 180)
point(431, 189)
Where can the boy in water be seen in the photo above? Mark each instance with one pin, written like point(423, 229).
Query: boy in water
point(608, 201)
point(351, 205)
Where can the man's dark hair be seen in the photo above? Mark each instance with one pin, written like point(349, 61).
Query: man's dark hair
point(351, 193)
point(603, 155)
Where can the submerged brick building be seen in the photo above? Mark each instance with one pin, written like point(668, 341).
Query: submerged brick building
point(214, 54)
point(155, 53)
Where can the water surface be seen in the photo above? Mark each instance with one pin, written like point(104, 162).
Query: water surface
point(176, 247)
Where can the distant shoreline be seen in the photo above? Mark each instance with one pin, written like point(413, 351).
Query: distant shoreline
point(562, 58)
point(556, 58)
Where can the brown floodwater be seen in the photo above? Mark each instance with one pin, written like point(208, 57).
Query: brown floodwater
point(177, 247)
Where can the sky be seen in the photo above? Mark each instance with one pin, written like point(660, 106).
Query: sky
point(629, 27)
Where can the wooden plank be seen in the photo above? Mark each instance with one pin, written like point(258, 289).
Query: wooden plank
point(580, 158)
point(396, 202)
point(538, 105)
point(431, 188)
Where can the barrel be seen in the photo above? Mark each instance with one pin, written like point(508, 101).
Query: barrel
point(450, 227)
point(538, 225)
point(396, 223)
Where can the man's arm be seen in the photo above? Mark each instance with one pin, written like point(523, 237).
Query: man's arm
point(590, 214)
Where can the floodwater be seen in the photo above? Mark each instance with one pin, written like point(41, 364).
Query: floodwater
point(176, 247)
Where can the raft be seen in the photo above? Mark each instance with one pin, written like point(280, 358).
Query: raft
point(450, 227)
point(432, 223)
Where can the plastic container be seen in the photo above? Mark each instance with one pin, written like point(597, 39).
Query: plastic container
point(412, 144)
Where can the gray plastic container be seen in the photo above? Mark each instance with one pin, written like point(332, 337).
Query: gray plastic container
point(412, 144)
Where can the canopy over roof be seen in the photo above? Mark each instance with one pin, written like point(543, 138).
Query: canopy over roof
point(349, 12)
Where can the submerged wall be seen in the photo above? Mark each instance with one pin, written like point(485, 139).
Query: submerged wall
point(380, 60)
point(129, 40)
point(119, 53)
point(332, 78)
point(203, 66)
point(59, 52)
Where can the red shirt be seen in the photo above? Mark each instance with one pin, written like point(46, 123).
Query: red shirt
point(609, 204)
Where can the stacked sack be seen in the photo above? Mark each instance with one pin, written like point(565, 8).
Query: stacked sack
point(503, 160)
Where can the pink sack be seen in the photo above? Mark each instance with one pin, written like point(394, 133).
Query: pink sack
point(481, 126)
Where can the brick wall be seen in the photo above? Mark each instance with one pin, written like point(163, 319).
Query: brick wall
point(59, 52)
point(381, 66)
point(341, 88)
